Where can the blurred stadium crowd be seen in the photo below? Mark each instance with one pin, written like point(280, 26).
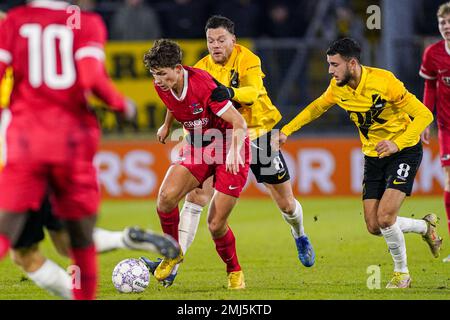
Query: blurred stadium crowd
point(151, 19)
point(290, 36)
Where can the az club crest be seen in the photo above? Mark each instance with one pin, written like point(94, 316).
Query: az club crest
point(196, 108)
point(446, 80)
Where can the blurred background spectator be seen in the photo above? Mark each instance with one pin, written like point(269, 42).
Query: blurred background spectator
point(290, 36)
point(426, 16)
point(6, 5)
point(87, 5)
point(279, 22)
point(135, 20)
point(183, 18)
point(247, 12)
point(347, 23)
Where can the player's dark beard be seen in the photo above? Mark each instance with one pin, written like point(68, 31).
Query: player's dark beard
point(346, 80)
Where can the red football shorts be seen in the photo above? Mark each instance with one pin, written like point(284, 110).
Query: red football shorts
point(444, 146)
point(204, 162)
point(74, 188)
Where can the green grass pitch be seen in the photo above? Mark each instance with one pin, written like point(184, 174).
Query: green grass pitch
point(267, 254)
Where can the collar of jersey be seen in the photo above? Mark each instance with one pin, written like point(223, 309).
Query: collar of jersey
point(49, 4)
point(362, 82)
point(447, 49)
point(185, 87)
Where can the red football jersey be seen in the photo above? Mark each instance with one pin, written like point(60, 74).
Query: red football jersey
point(48, 110)
point(194, 109)
point(436, 66)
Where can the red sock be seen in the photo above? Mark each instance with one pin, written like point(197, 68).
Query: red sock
point(169, 222)
point(226, 248)
point(4, 245)
point(86, 260)
point(447, 208)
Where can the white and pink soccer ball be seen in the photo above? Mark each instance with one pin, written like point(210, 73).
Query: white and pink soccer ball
point(130, 275)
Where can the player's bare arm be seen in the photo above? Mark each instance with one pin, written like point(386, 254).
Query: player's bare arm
point(425, 136)
point(164, 131)
point(282, 139)
point(277, 140)
point(234, 159)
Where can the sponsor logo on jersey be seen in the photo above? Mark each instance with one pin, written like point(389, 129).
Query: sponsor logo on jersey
point(196, 123)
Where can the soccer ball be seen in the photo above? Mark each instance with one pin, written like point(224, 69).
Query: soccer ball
point(130, 275)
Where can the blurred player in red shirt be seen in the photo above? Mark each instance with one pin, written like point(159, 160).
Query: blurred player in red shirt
point(49, 134)
point(435, 69)
point(218, 145)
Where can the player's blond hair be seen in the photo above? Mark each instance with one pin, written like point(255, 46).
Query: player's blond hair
point(443, 10)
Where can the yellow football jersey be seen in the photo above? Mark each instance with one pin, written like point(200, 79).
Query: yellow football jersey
point(6, 86)
point(380, 107)
point(243, 72)
point(5, 91)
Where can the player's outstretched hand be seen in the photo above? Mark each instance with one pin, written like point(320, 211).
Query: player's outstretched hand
point(277, 140)
point(130, 110)
point(234, 160)
point(425, 136)
point(162, 133)
point(386, 148)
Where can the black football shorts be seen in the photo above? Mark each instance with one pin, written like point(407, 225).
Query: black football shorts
point(33, 231)
point(396, 172)
point(267, 165)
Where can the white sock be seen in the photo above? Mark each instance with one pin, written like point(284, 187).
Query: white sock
point(396, 242)
point(295, 220)
point(108, 240)
point(189, 220)
point(187, 228)
point(412, 225)
point(53, 278)
point(175, 269)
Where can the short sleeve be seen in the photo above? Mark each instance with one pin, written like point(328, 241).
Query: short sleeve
point(6, 41)
point(427, 69)
point(92, 38)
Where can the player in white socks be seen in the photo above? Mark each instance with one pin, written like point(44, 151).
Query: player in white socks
point(52, 277)
point(390, 121)
point(240, 79)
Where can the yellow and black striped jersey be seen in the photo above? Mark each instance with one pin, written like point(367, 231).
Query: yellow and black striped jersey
point(380, 107)
point(243, 72)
